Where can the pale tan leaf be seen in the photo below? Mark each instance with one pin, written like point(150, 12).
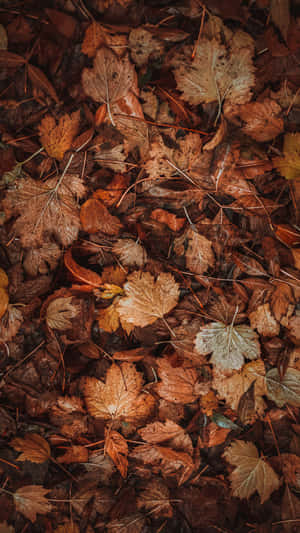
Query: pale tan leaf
point(214, 74)
point(34, 448)
point(251, 473)
point(10, 323)
point(120, 398)
point(130, 252)
point(30, 501)
point(147, 299)
point(155, 499)
point(60, 313)
point(179, 384)
point(229, 345)
point(263, 320)
point(285, 390)
point(143, 45)
point(199, 256)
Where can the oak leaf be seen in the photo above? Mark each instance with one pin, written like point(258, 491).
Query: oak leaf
point(44, 209)
point(120, 398)
point(110, 79)
point(147, 299)
point(229, 345)
point(57, 138)
point(117, 449)
point(179, 384)
point(289, 164)
point(34, 448)
point(214, 74)
point(251, 473)
point(285, 390)
point(155, 499)
point(30, 500)
point(60, 312)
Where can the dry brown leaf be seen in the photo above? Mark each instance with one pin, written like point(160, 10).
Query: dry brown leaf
point(108, 318)
point(214, 74)
point(34, 448)
point(112, 158)
point(133, 523)
point(57, 138)
point(144, 46)
point(199, 256)
point(282, 299)
point(10, 323)
point(280, 14)
point(263, 320)
point(96, 36)
point(285, 390)
point(213, 435)
point(74, 454)
point(110, 79)
point(129, 119)
point(168, 431)
point(155, 499)
point(67, 527)
point(95, 217)
point(229, 345)
point(30, 501)
point(117, 449)
point(113, 191)
point(130, 252)
point(170, 219)
point(4, 301)
point(251, 473)
point(103, 500)
point(60, 313)
point(44, 209)
point(169, 461)
point(120, 398)
point(43, 259)
point(147, 299)
point(262, 119)
point(179, 384)
point(232, 387)
point(5, 528)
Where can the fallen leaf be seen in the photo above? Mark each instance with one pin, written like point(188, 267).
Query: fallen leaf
point(199, 256)
point(170, 219)
point(289, 163)
point(5, 528)
point(67, 527)
point(95, 217)
point(147, 299)
point(114, 190)
point(117, 449)
point(285, 390)
point(169, 461)
point(60, 312)
point(282, 299)
point(252, 473)
point(10, 323)
point(34, 448)
point(81, 274)
point(229, 345)
point(179, 384)
point(280, 15)
point(120, 398)
point(74, 454)
point(155, 499)
point(264, 322)
point(167, 432)
point(38, 78)
point(4, 301)
point(30, 501)
point(262, 120)
point(96, 36)
point(108, 318)
point(42, 259)
point(57, 138)
point(144, 46)
point(134, 523)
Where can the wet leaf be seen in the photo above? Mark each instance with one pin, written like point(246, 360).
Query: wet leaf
point(57, 138)
point(30, 501)
point(34, 448)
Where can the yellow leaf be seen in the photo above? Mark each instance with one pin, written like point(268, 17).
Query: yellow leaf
point(289, 164)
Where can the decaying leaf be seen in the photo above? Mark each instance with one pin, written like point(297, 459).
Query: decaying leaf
point(143, 45)
point(108, 318)
point(10, 323)
point(289, 164)
point(117, 449)
point(95, 217)
point(34, 448)
point(252, 473)
point(155, 498)
point(199, 255)
point(263, 320)
point(169, 461)
point(74, 454)
point(229, 345)
point(120, 398)
point(285, 390)
point(57, 138)
point(147, 299)
point(179, 384)
point(42, 259)
point(130, 252)
point(68, 527)
point(4, 298)
point(30, 500)
point(60, 312)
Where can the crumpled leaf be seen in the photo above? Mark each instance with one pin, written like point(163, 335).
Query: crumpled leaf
point(57, 138)
point(42, 259)
point(117, 449)
point(143, 45)
point(130, 252)
point(44, 209)
point(30, 500)
point(74, 454)
point(179, 384)
point(167, 432)
point(285, 390)
point(34, 448)
point(229, 345)
point(120, 397)
point(155, 499)
point(10, 323)
point(289, 164)
point(263, 320)
point(214, 74)
point(169, 461)
point(60, 312)
point(252, 473)
point(110, 79)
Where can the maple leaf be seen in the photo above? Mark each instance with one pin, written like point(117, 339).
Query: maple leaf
point(60, 312)
point(214, 74)
point(57, 138)
point(48, 208)
point(110, 79)
point(30, 500)
point(289, 164)
point(285, 390)
point(130, 252)
point(251, 473)
point(155, 499)
point(229, 345)
point(199, 255)
point(179, 384)
point(117, 449)
point(120, 398)
point(34, 448)
point(147, 299)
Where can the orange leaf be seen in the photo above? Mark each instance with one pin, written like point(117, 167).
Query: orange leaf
point(34, 448)
point(171, 220)
point(95, 217)
point(112, 194)
point(108, 318)
point(4, 299)
point(169, 461)
point(81, 274)
point(57, 138)
point(74, 454)
point(117, 449)
point(179, 384)
point(30, 500)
